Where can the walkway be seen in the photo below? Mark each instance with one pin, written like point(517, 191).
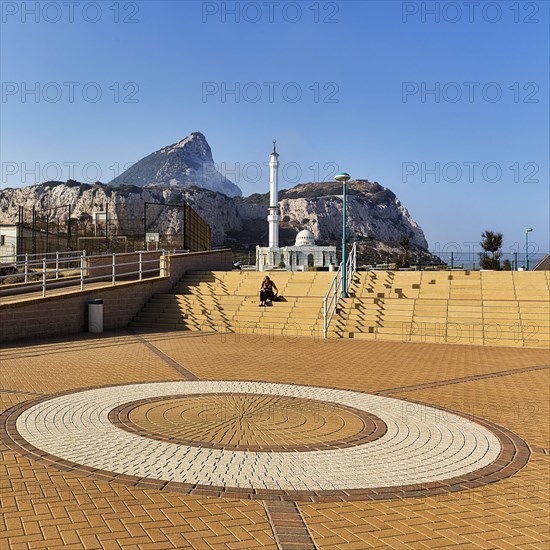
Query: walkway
point(181, 440)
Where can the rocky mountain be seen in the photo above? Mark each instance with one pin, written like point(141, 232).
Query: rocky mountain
point(374, 212)
point(376, 217)
point(184, 164)
point(124, 204)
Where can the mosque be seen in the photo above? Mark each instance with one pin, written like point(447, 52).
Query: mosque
point(305, 253)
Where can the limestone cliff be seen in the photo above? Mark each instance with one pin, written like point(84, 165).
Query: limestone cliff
point(374, 212)
point(124, 204)
point(375, 215)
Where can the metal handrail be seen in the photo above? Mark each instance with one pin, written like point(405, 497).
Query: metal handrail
point(351, 265)
point(11, 259)
point(330, 301)
point(75, 255)
point(333, 295)
point(85, 269)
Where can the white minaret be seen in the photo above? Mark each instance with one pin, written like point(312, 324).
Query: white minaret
point(273, 217)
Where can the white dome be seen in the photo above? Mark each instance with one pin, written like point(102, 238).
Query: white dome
point(305, 238)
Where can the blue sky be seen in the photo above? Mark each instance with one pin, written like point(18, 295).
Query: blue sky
point(471, 155)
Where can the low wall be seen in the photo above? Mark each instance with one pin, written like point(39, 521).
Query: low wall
point(67, 313)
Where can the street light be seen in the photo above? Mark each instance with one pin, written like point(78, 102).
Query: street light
point(344, 177)
point(527, 231)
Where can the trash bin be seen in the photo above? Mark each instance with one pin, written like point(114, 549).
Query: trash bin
point(331, 267)
point(95, 316)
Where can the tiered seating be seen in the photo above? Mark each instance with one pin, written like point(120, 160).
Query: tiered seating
point(534, 310)
point(531, 285)
point(435, 285)
point(501, 321)
point(497, 285)
point(228, 302)
point(535, 323)
point(379, 304)
point(492, 308)
point(464, 321)
point(465, 285)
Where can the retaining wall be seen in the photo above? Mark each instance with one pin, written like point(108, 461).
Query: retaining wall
point(67, 313)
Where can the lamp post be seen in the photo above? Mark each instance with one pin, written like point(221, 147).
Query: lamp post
point(344, 177)
point(527, 231)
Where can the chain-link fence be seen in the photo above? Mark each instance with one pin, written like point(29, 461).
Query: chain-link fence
point(42, 231)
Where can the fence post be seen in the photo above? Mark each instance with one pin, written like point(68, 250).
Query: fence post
point(43, 277)
point(113, 274)
point(140, 266)
point(82, 270)
point(26, 268)
point(57, 265)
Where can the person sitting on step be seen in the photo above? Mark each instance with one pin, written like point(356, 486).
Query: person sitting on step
point(268, 290)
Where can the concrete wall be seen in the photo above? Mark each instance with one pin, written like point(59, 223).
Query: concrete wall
point(68, 313)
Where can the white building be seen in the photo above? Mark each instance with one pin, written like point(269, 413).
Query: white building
point(8, 242)
point(305, 253)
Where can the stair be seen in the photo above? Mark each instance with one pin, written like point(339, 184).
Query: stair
point(463, 307)
point(459, 307)
point(228, 301)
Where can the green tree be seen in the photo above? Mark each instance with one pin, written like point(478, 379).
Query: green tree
point(491, 243)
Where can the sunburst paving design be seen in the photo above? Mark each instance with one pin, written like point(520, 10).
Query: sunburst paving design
point(255, 439)
point(249, 422)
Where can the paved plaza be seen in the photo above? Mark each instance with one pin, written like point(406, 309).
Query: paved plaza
point(189, 440)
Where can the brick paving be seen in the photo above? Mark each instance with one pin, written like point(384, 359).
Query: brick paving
point(289, 526)
point(48, 505)
point(248, 422)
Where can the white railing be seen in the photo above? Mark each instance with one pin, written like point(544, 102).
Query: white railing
point(47, 274)
point(18, 258)
point(351, 265)
point(331, 299)
point(12, 259)
point(28, 262)
point(334, 293)
point(27, 265)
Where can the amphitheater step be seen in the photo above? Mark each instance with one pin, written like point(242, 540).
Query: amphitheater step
point(488, 308)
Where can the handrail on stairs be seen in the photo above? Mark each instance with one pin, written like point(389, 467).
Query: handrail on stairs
point(334, 293)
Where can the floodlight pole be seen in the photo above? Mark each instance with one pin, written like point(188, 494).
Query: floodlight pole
point(344, 224)
point(344, 178)
point(527, 231)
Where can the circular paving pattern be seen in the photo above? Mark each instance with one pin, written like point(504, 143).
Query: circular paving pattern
point(211, 437)
point(249, 422)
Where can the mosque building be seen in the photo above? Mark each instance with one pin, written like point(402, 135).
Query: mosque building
point(305, 253)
